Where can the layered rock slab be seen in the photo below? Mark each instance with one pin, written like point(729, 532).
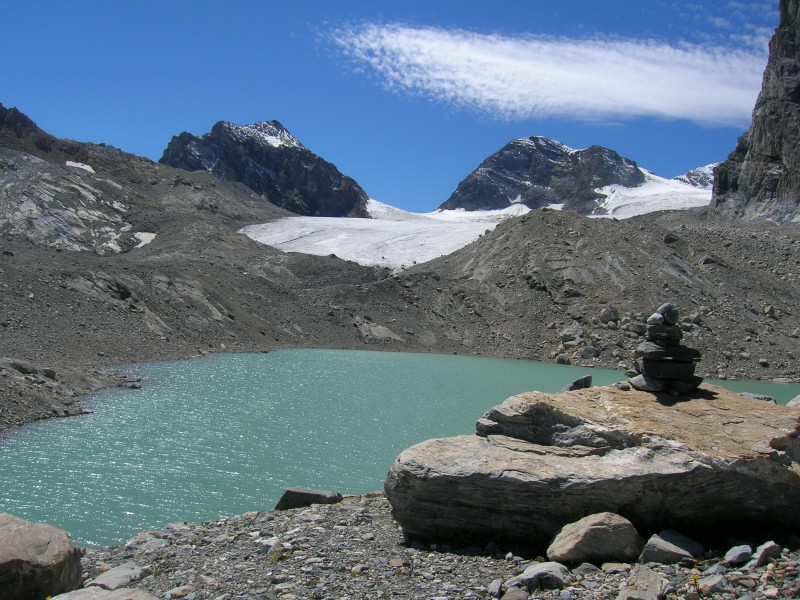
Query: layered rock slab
point(541, 461)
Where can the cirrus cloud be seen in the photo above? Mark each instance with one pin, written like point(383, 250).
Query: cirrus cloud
point(514, 78)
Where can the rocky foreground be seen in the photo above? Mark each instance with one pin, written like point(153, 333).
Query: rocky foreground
point(355, 550)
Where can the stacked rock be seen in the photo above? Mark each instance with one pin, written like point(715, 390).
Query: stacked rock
point(661, 363)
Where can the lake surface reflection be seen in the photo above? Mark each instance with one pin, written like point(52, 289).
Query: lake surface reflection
point(225, 434)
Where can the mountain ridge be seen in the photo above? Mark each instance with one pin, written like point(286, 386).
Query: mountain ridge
point(269, 160)
point(541, 172)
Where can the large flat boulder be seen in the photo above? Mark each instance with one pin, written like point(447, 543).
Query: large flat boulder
point(36, 560)
point(540, 461)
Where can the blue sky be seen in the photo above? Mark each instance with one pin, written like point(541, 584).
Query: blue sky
point(405, 97)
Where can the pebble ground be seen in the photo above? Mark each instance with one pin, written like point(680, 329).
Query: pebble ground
point(355, 550)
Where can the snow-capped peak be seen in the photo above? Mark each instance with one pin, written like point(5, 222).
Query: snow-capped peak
point(269, 132)
point(701, 177)
point(548, 143)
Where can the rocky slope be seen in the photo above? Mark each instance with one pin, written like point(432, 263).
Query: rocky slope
point(269, 160)
point(761, 177)
point(538, 171)
point(547, 286)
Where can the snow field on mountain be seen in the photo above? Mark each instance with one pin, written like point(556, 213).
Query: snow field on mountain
point(656, 193)
point(398, 239)
point(392, 238)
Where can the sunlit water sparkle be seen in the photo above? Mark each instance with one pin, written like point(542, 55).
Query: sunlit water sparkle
point(226, 434)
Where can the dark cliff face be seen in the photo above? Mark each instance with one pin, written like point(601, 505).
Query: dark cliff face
point(269, 160)
point(761, 178)
point(538, 171)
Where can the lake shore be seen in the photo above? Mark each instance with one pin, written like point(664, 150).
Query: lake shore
point(355, 549)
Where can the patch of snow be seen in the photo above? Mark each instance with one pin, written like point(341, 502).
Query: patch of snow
point(144, 237)
point(701, 177)
point(548, 142)
point(656, 193)
point(555, 206)
point(268, 132)
point(79, 165)
point(392, 238)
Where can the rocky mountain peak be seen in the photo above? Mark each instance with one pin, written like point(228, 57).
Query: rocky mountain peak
point(760, 180)
point(269, 133)
point(269, 160)
point(538, 171)
point(701, 177)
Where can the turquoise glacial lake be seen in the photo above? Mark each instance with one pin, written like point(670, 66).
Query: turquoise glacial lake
point(225, 434)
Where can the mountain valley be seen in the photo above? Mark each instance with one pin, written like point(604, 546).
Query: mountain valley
point(107, 258)
point(548, 285)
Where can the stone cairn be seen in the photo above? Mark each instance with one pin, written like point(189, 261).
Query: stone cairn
point(661, 363)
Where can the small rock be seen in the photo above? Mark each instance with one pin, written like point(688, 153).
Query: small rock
point(738, 555)
point(762, 554)
point(718, 569)
point(643, 584)
point(647, 384)
point(659, 550)
point(608, 315)
point(300, 497)
point(179, 592)
point(119, 576)
point(515, 593)
point(713, 584)
point(495, 589)
point(585, 569)
point(579, 384)
point(546, 576)
point(758, 397)
point(669, 312)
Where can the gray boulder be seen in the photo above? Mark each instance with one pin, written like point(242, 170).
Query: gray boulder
point(36, 560)
point(598, 538)
point(541, 461)
point(738, 555)
point(794, 402)
point(659, 550)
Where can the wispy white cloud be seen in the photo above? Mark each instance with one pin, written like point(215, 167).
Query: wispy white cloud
point(514, 78)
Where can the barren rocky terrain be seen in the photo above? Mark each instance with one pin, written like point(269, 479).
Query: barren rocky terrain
point(535, 288)
point(108, 258)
